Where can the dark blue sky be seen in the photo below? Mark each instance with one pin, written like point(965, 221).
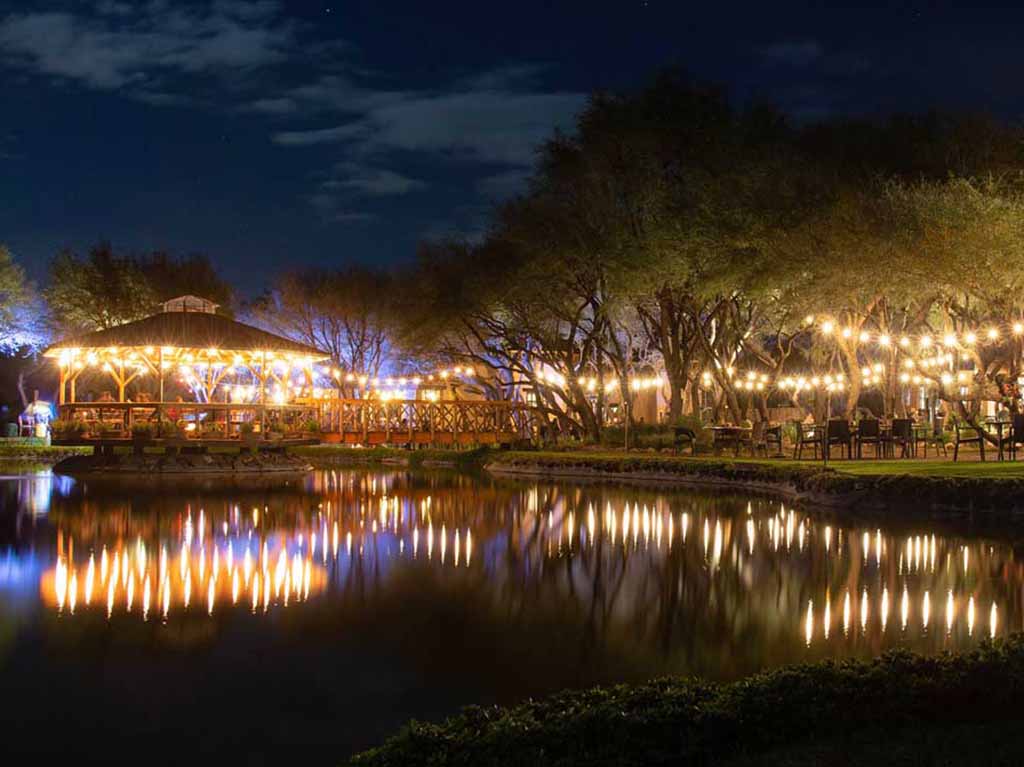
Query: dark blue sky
point(270, 134)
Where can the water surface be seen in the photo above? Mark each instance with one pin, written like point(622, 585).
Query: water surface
point(311, 619)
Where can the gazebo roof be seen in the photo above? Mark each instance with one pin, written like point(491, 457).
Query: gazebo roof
point(187, 330)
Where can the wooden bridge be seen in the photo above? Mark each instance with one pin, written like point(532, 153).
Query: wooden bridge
point(424, 422)
point(348, 421)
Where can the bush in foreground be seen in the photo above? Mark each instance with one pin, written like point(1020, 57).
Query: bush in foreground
point(688, 721)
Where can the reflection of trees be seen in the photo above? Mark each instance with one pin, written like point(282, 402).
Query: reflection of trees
point(633, 581)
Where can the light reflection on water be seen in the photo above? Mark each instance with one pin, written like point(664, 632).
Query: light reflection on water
point(550, 584)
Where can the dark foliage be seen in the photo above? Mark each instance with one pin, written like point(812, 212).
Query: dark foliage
point(689, 721)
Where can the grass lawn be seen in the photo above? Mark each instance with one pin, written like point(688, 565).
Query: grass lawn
point(970, 467)
point(935, 468)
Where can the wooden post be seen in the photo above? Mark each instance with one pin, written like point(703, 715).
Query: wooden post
point(263, 395)
point(120, 380)
point(160, 366)
point(455, 424)
point(63, 383)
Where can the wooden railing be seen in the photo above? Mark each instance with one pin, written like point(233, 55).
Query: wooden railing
point(354, 421)
point(370, 422)
point(210, 419)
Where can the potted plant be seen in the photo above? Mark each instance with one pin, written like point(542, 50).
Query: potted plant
point(275, 428)
point(247, 433)
point(110, 431)
point(142, 434)
point(212, 430)
point(64, 430)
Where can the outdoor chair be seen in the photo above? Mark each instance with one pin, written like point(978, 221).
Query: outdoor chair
point(902, 435)
point(1016, 434)
point(839, 434)
point(757, 439)
point(967, 435)
point(807, 434)
point(773, 436)
point(684, 435)
point(936, 439)
point(869, 433)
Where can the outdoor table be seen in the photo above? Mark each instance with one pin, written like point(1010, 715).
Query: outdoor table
point(729, 435)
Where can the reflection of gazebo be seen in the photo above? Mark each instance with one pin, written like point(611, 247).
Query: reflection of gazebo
point(249, 370)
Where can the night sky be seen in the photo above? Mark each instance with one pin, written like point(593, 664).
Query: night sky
point(270, 134)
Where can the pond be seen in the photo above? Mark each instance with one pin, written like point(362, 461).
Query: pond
point(312, 618)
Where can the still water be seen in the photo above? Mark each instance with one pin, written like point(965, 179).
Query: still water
point(313, 618)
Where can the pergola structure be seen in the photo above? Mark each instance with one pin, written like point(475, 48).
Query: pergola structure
point(234, 372)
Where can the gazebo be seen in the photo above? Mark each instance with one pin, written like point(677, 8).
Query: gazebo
point(236, 379)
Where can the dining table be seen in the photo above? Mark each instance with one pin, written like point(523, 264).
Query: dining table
point(729, 436)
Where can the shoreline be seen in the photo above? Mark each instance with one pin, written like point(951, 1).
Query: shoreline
point(909, 495)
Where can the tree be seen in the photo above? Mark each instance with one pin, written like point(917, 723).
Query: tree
point(103, 289)
point(169, 277)
point(97, 291)
point(14, 297)
point(346, 312)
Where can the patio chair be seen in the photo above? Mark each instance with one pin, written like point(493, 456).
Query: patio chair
point(839, 434)
point(967, 435)
point(684, 435)
point(773, 436)
point(807, 434)
point(937, 438)
point(869, 433)
point(1016, 435)
point(757, 439)
point(902, 434)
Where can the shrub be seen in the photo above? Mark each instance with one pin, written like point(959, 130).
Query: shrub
point(247, 428)
point(142, 431)
point(169, 429)
point(692, 721)
point(213, 429)
point(655, 435)
point(65, 428)
point(311, 425)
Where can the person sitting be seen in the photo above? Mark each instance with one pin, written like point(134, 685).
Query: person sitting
point(174, 413)
point(106, 396)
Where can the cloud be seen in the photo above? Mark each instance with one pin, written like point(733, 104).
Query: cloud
point(318, 136)
point(496, 119)
point(371, 182)
point(503, 78)
point(117, 46)
point(272, 106)
point(333, 208)
point(501, 186)
point(484, 126)
point(798, 53)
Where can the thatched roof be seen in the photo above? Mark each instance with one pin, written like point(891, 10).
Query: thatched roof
point(187, 330)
